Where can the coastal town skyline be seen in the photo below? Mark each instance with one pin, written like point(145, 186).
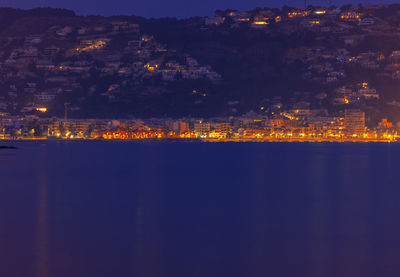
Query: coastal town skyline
point(173, 138)
point(262, 74)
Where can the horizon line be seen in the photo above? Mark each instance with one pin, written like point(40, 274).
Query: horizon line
point(100, 14)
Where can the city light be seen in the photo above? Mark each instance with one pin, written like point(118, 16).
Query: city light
point(260, 23)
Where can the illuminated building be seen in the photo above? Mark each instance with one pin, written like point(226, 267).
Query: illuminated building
point(43, 110)
point(260, 23)
point(385, 124)
point(201, 129)
point(180, 127)
point(354, 123)
point(222, 127)
point(350, 16)
point(298, 14)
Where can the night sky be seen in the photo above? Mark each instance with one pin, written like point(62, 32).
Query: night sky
point(162, 8)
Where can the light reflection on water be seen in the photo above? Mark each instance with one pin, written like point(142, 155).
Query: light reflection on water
point(229, 209)
point(42, 241)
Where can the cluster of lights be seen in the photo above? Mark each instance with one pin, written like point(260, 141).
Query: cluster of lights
point(299, 134)
point(298, 14)
point(350, 16)
point(121, 134)
point(260, 23)
point(99, 44)
point(151, 67)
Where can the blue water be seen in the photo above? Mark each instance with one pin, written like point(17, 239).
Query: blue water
point(198, 209)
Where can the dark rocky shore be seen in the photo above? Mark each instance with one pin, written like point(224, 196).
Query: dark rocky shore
point(8, 147)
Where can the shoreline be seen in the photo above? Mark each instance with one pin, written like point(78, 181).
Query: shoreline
point(207, 140)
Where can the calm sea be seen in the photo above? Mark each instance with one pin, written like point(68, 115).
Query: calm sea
point(199, 209)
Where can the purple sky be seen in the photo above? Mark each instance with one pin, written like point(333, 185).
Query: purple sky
point(173, 8)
